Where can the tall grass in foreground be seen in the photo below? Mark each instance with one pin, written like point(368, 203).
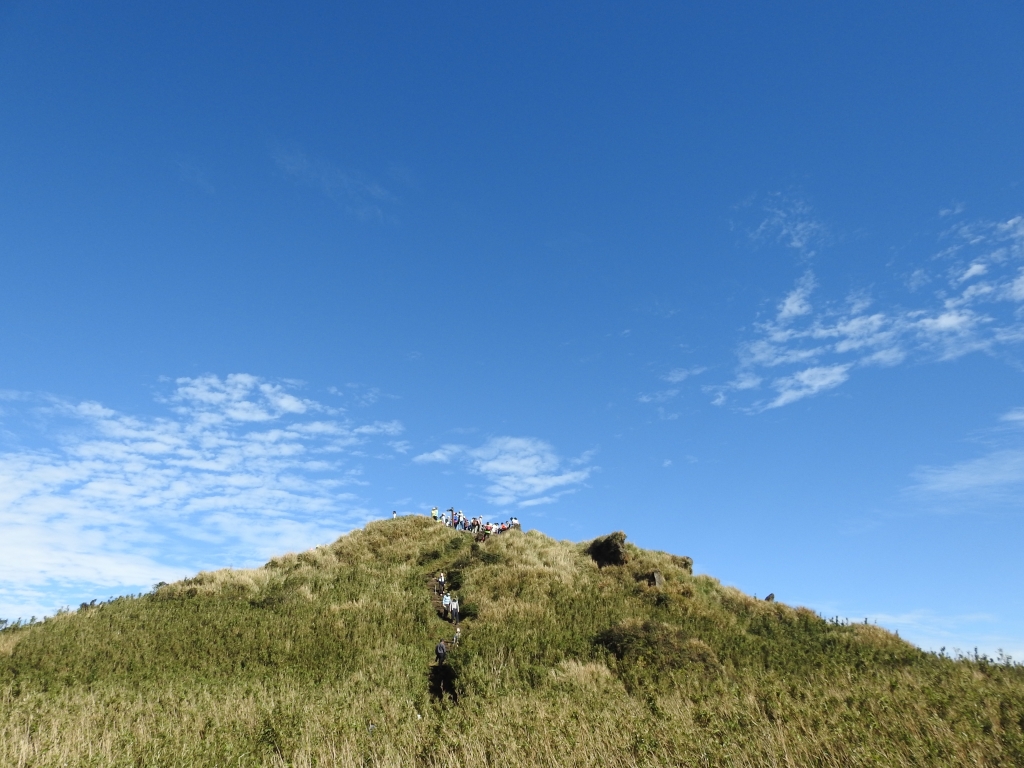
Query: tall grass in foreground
point(325, 659)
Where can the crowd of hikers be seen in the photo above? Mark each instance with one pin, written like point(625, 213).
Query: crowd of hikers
point(460, 522)
point(449, 602)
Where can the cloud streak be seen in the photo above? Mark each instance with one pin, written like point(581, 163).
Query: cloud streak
point(995, 476)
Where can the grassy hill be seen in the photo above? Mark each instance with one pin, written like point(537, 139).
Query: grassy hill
point(326, 658)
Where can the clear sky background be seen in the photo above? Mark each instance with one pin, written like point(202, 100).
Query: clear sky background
point(744, 280)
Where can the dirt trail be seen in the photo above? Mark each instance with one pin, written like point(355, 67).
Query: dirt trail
point(441, 677)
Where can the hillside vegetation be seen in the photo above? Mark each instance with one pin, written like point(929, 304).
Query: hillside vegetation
point(325, 658)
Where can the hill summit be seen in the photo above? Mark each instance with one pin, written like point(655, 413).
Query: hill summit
point(598, 653)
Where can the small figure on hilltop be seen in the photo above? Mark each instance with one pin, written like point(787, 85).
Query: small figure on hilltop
point(441, 651)
point(394, 514)
point(433, 514)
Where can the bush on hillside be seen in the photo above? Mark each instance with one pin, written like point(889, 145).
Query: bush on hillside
point(609, 550)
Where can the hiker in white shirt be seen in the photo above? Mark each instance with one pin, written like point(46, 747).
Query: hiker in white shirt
point(454, 609)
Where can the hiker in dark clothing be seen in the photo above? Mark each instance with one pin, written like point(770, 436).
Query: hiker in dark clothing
point(441, 652)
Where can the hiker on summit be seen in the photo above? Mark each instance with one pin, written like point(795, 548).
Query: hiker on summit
point(394, 514)
point(433, 514)
point(453, 607)
point(446, 604)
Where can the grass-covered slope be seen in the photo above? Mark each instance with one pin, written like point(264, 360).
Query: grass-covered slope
point(325, 658)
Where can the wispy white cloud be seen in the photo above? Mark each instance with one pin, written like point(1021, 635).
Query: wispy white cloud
point(1016, 416)
point(442, 455)
point(658, 397)
point(239, 468)
point(676, 376)
point(360, 197)
point(809, 381)
point(809, 346)
point(997, 475)
point(797, 301)
point(792, 223)
point(524, 471)
point(997, 472)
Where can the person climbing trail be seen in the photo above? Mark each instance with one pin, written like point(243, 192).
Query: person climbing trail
point(456, 637)
point(446, 604)
point(453, 609)
point(441, 652)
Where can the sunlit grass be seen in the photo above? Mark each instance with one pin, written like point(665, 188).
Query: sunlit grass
point(324, 658)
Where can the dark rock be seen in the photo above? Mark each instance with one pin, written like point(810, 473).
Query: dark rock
point(770, 598)
point(657, 580)
point(609, 550)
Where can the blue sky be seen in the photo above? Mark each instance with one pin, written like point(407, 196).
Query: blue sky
point(745, 281)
